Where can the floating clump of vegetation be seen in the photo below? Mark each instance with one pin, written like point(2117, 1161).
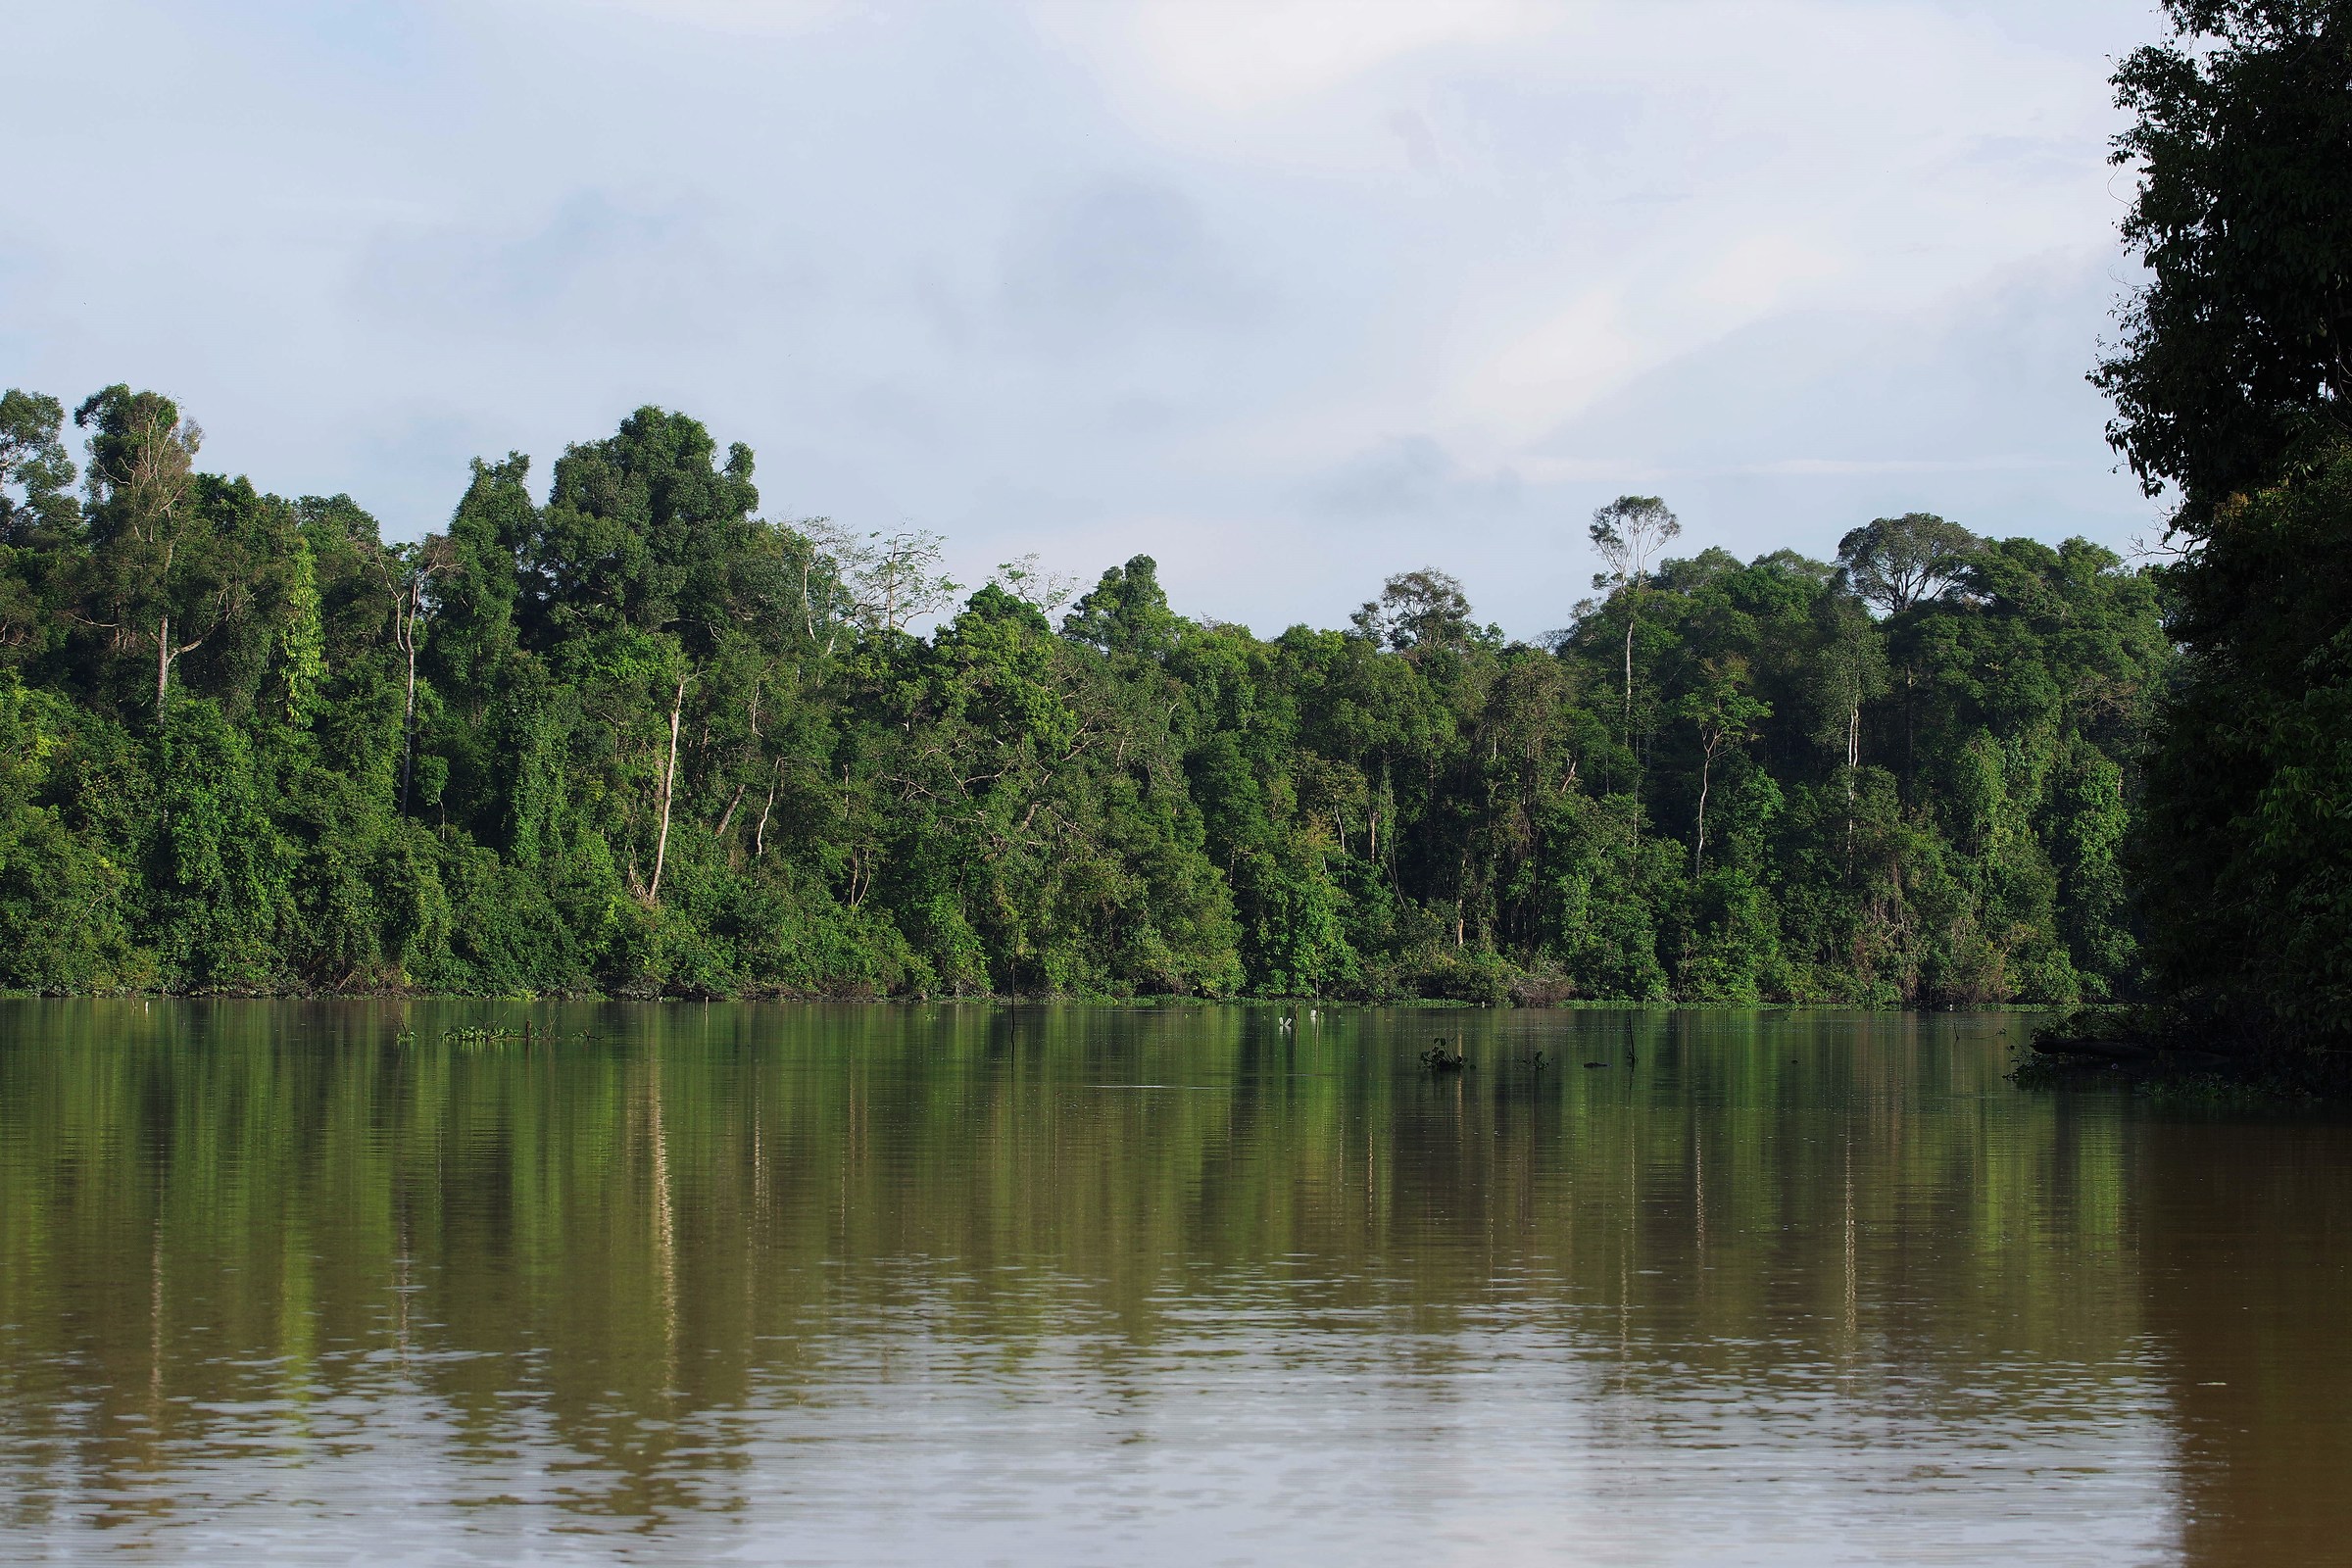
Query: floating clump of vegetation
point(2259, 1089)
point(1437, 1059)
point(476, 1036)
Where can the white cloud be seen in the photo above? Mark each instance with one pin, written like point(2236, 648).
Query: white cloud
point(1244, 55)
point(1757, 272)
point(1545, 370)
point(1287, 295)
point(757, 18)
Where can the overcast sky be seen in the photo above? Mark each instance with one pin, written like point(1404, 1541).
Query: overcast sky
point(1290, 296)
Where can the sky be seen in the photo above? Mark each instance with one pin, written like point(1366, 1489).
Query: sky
point(1289, 296)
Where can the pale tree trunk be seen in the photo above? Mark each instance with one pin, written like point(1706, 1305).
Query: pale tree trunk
point(407, 592)
point(1853, 760)
point(1629, 675)
point(728, 815)
point(669, 778)
point(166, 655)
point(1461, 878)
point(760, 834)
point(1698, 850)
point(408, 722)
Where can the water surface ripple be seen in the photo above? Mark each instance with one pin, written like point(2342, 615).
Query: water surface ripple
point(1184, 1285)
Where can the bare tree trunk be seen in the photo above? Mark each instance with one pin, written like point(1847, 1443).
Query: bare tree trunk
point(669, 778)
point(163, 662)
point(404, 578)
point(1699, 848)
point(760, 835)
point(1629, 675)
point(728, 815)
point(1461, 878)
point(408, 720)
point(1854, 760)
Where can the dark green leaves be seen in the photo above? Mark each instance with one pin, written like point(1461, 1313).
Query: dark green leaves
point(2236, 356)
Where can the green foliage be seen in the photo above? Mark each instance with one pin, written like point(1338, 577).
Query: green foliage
point(639, 740)
point(64, 889)
point(2232, 385)
point(2247, 847)
point(2233, 358)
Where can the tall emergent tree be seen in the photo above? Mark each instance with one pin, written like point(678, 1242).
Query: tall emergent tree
point(1627, 534)
point(2233, 384)
point(1894, 563)
point(158, 573)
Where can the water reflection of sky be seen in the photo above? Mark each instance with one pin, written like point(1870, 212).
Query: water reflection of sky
point(1256, 1441)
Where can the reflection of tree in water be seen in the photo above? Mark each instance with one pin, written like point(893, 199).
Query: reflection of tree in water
point(618, 1258)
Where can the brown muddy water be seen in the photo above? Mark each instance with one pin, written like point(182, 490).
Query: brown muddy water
point(1071, 1284)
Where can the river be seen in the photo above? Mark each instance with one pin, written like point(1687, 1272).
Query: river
point(960, 1284)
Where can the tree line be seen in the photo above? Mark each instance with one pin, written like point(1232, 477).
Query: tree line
point(627, 735)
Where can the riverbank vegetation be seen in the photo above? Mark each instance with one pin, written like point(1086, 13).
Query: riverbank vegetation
point(626, 735)
point(2232, 384)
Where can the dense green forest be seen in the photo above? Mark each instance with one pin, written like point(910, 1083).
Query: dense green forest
point(625, 735)
point(2232, 388)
